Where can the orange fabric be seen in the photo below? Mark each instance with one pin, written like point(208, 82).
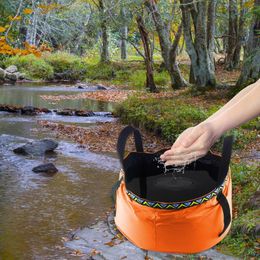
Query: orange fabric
point(189, 230)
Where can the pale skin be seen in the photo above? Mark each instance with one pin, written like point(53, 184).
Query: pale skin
point(196, 141)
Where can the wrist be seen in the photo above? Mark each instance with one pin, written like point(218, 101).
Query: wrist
point(215, 127)
point(219, 127)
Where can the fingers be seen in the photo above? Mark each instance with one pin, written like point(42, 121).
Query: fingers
point(193, 136)
point(181, 137)
point(184, 155)
point(181, 153)
point(178, 142)
point(188, 158)
point(192, 143)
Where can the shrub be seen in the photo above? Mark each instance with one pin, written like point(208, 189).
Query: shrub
point(162, 78)
point(168, 118)
point(66, 66)
point(165, 117)
point(101, 71)
point(32, 66)
point(137, 79)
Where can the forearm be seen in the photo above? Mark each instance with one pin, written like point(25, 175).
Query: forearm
point(242, 109)
point(234, 100)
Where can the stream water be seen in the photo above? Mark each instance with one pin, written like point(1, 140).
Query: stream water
point(37, 211)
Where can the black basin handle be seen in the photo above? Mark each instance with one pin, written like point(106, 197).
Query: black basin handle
point(226, 156)
point(122, 139)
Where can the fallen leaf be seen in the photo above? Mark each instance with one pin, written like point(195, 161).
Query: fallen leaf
point(110, 243)
point(77, 252)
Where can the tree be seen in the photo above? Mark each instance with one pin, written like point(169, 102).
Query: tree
point(104, 56)
point(202, 63)
point(211, 28)
point(251, 66)
point(150, 84)
point(235, 34)
point(124, 32)
point(168, 48)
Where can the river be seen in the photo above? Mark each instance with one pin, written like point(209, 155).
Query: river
point(37, 212)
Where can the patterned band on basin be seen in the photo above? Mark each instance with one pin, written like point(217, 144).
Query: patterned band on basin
point(175, 205)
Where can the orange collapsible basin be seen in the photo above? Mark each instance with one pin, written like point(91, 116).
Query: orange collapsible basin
point(173, 211)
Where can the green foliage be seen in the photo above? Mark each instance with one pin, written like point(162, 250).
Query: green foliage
point(66, 66)
point(169, 118)
point(33, 67)
point(3, 59)
point(162, 78)
point(246, 179)
point(137, 79)
point(242, 137)
point(130, 74)
point(163, 116)
point(252, 124)
point(101, 71)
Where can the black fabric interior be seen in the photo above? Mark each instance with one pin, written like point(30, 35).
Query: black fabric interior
point(146, 178)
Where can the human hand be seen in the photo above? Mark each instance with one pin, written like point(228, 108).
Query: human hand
point(192, 144)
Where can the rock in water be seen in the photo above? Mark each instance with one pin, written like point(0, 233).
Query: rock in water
point(46, 168)
point(12, 69)
point(37, 148)
point(84, 113)
point(65, 112)
point(28, 110)
point(101, 87)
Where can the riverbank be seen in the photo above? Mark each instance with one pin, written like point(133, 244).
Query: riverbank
point(130, 74)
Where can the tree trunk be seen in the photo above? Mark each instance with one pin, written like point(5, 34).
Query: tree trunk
point(197, 48)
point(32, 28)
point(175, 74)
point(150, 84)
point(123, 45)
point(211, 27)
point(251, 66)
point(104, 57)
point(168, 56)
point(241, 34)
point(232, 34)
point(124, 32)
point(233, 45)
